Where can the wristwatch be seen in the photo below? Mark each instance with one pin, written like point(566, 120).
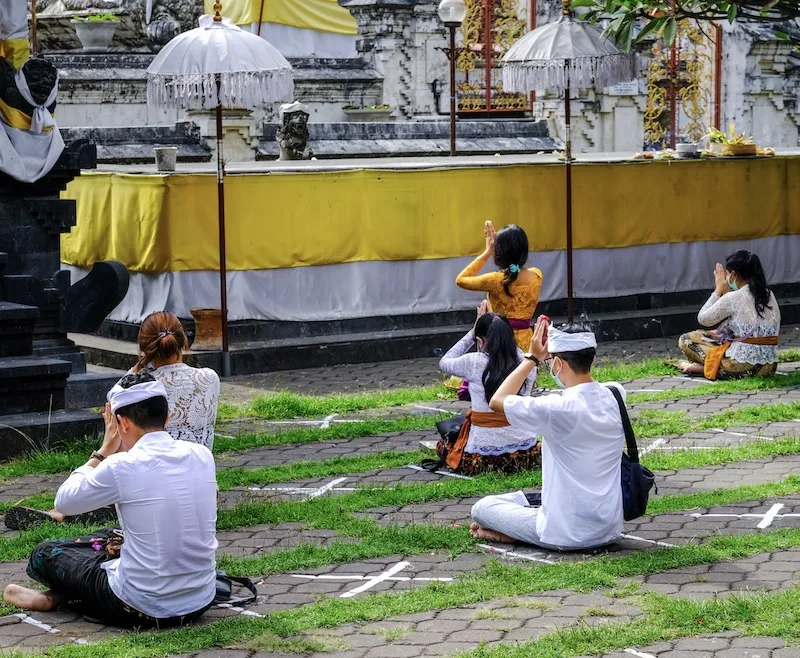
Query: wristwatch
point(530, 357)
point(96, 455)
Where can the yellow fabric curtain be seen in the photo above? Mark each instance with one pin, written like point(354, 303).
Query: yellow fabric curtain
point(169, 223)
point(319, 15)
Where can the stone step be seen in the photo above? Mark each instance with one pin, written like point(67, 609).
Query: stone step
point(89, 389)
point(17, 323)
point(32, 384)
point(21, 433)
point(365, 347)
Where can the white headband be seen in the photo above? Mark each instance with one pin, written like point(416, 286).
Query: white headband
point(41, 117)
point(560, 341)
point(121, 397)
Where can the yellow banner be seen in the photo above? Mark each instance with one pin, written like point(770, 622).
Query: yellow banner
point(318, 15)
point(169, 223)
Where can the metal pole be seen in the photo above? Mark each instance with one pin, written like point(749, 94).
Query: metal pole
point(718, 78)
point(34, 31)
point(452, 57)
point(487, 52)
point(223, 265)
point(568, 158)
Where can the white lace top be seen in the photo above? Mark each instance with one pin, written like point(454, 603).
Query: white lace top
point(736, 311)
point(485, 440)
point(193, 395)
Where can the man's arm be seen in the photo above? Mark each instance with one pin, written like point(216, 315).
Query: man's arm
point(89, 487)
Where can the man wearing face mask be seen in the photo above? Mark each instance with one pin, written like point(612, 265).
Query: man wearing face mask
point(164, 574)
point(583, 439)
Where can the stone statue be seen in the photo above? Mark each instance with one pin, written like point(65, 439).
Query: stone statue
point(293, 133)
point(30, 142)
point(160, 20)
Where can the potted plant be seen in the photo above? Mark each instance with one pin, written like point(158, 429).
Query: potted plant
point(731, 144)
point(368, 113)
point(95, 31)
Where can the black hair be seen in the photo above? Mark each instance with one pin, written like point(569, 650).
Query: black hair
point(150, 414)
point(500, 346)
point(510, 248)
point(748, 266)
point(581, 361)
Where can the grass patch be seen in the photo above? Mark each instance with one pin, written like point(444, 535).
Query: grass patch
point(720, 388)
point(303, 644)
point(496, 580)
point(285, 404)
point(390, 634)
point(667, 618)
point(789, 356)
point(600, 611)
point(488, 613)
point(43, 501)
point(240, 477)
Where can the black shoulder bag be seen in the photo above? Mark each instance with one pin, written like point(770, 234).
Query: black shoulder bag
point(225, 590)
point(636, 479)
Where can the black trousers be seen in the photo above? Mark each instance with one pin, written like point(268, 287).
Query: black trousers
point(73, 568)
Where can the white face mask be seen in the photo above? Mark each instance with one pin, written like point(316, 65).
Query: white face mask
point(553, 374)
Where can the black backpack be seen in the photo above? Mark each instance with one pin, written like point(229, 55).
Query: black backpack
point(636, 479)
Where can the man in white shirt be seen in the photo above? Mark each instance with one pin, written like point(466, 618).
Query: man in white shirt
point(583, 439)
point(166, 497)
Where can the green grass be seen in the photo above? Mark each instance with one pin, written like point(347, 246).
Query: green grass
point(240, 477)
point(720, 388)
point(667, 618)
point(495, 581)
point(285, 404)
point(789, 356)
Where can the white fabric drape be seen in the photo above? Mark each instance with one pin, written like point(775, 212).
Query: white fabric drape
point(365, 289)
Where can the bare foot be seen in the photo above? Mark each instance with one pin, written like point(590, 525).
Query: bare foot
point(692, 369)
point(490, 535)
point(31, 599)
point(57, 516)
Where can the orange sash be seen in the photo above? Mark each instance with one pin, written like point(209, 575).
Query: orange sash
point(717, 353)
point(479, 419)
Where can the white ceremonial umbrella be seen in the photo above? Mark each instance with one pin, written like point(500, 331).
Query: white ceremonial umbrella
point(219, 65)
point(568, 54)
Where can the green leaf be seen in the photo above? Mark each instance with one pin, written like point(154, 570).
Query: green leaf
point(625, 36)
point(652, 25)
point(609, 7)
point(583, 3)
point(732, 8)
point(670, 30)
point(781, 35)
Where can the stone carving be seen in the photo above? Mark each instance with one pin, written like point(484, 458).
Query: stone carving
point(86, 303)
point(159, 20)
point(41, 76)
point(293, 134)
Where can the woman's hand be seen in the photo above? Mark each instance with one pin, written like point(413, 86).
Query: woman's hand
point(490, 234)
point(720, 280)
point(482, 310)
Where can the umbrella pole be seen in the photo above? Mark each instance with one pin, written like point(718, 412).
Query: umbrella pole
point(223, 265)
point(568, 161)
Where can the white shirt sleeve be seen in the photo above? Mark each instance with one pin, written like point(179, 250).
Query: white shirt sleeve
point(457, 361)
point(717, 309)
point(530, 414)
point(87, 489)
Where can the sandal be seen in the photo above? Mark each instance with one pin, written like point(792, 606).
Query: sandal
point(24, 518)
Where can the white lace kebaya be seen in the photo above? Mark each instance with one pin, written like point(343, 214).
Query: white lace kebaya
point(736, 311)
point(193, 396)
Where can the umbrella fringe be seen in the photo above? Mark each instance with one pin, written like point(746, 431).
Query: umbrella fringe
point(578, 73)
point(247, 90)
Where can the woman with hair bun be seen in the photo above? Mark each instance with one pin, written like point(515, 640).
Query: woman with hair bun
point(746, 341)
point(193, 393)
point(514, 290)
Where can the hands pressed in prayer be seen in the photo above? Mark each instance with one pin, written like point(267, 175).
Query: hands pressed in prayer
point(721, 280)
point(111, 439)
point(490, 234)
point(482, 310)
point(538, 346)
